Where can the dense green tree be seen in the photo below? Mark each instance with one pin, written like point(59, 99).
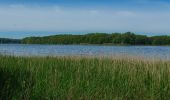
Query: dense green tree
point(116, 38)
point(160, 40)
point(127, 38)
point(141, 39)
point(6, 40)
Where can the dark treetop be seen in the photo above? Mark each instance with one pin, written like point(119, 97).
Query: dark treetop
point(127, 38)
point(9, 41)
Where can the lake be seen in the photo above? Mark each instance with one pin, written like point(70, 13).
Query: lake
point(162, 52)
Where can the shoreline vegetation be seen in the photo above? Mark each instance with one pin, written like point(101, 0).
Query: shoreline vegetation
point(89, 78)
point(9, 41)
point(119, 39)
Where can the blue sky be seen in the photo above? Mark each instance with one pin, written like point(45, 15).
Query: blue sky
point(20, 18)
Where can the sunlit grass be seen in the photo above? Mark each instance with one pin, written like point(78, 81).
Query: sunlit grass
point(83, 78)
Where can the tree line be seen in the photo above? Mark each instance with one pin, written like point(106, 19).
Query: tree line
point(127, 38)
point(9, 41)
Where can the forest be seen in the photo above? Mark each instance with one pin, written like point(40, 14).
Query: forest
point(127, 38)
point(9, 41)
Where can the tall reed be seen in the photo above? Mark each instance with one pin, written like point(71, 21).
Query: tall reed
point(74, 78)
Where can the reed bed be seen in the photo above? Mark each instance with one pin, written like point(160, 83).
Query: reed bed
point(83, 78)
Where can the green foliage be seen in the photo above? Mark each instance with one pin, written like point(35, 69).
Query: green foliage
point(127, 38)
point(6, 40)
point(97, 38)
point(86, 78)
point(141, 39)
point(160, 40)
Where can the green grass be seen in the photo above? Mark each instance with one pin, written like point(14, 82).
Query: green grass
point(83, 78)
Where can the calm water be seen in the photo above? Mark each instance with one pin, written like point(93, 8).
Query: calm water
point(71, 50)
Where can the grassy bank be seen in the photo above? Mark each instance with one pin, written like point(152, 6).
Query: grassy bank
point(83, 78)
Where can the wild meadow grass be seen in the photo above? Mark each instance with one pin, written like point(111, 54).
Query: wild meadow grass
point(83, 78)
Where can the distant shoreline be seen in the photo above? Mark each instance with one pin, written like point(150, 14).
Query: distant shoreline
point(81, 44)
point(114, 39)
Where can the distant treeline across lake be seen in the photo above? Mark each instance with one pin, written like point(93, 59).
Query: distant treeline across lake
point(127, 38)
point(9, 41)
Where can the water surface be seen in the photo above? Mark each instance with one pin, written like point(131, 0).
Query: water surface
point(93, 50)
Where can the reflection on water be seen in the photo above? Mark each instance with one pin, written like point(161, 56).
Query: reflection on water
point(72, 50)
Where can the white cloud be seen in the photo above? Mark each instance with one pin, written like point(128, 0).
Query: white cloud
point(26, 18)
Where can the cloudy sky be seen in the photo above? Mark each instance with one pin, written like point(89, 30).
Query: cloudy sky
point(20, 18)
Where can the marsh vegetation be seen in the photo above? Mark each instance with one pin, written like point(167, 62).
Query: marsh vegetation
point(83, 78)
